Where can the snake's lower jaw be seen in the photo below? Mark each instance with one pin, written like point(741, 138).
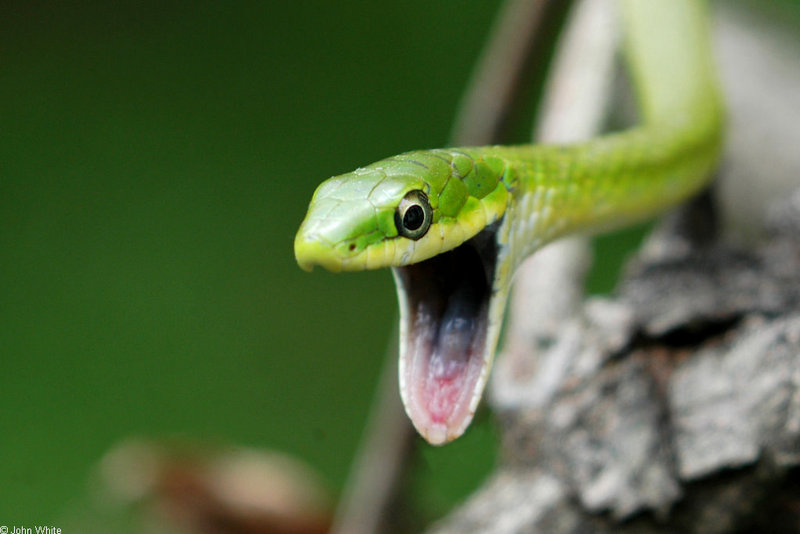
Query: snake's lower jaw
point(444, 358)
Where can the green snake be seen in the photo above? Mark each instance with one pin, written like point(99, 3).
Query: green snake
point(454, 223)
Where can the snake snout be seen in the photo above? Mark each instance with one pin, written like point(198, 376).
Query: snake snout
point(311, 250)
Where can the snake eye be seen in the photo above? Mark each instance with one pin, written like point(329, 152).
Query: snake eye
point(413, 216)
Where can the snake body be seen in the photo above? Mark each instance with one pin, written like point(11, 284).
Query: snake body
point(454, 223)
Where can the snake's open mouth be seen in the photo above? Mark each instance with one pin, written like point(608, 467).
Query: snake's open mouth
point(444, 303)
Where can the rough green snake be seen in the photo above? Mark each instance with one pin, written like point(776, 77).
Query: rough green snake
point(454, 223)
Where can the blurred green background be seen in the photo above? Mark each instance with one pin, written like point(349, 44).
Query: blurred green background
point(155, 161)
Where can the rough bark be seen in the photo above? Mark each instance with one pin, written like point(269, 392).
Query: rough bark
point(674, 407)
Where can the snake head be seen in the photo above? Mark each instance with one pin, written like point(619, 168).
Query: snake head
point(399, 211)
point(351, 222)
point(432, 216)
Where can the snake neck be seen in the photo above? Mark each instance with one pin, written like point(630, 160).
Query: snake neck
point(604, 184)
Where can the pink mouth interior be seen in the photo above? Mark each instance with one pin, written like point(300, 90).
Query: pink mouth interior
point(446, 324)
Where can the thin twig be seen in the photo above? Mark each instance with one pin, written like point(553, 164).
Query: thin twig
point(549, 285)
point(376, 478)
point(377, 472)
point(517, 38)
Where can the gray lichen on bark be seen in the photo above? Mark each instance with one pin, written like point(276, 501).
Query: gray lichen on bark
point(671, 413)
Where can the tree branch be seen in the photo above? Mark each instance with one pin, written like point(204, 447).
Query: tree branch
point(674, 407)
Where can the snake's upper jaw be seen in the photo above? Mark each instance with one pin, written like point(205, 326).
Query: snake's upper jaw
point(447, 337)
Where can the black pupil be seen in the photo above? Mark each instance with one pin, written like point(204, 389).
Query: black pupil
point(413, 218)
